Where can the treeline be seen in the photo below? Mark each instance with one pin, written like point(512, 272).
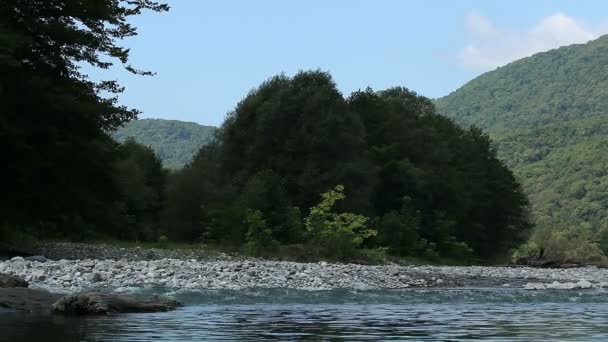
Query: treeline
point(296, 166)
point(417, 183)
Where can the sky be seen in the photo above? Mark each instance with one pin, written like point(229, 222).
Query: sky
point(209, 54)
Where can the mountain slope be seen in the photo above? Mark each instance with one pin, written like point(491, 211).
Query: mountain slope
point(174, 141)
point(548, 114)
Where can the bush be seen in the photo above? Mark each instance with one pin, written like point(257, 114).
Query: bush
point(163, 241)
point(16, 237)
point(227, 225)
point(332, 234)
point(457, 250)
point(259, 236)
point(374, 255)
point(562, 245)
point(399, 230)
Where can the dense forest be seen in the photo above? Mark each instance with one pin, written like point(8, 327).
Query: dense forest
point(296, 165)
point(548, 116)
point(175, 142)
point(416, 183)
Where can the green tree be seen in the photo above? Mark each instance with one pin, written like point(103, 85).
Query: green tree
point(398, 230)
point(55, 120)
point(259, 236)
point(292, 138)
point(336, 234)
point(142, 184)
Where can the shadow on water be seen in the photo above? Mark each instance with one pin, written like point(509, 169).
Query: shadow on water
point(454, 315)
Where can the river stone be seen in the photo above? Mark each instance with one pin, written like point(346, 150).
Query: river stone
point(584, 284)
point(8, 280)
point(38, 258)
point(93, 277)
point(535, 286)
point(95, 303)
point(562, 286)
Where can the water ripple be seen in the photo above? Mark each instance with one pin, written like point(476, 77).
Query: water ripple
point(287, 315)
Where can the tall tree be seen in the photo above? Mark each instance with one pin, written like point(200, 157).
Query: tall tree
point(54, 120)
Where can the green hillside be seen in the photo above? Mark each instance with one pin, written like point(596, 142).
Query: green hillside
point(548, 115)
point(174, 141)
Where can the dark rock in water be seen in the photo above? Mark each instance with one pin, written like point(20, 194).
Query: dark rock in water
point(15, 295)
point(25, 299)
point(7, 280)
point(38, 258)
point(96, 303)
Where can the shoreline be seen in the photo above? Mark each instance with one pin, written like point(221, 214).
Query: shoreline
point(115, 276)
point(115, 269)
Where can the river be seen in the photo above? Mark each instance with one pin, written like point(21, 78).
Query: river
point(500, 314)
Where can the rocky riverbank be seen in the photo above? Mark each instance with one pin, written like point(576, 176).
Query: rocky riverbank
point(91, 275)
point(73, 268)
point(72, 251)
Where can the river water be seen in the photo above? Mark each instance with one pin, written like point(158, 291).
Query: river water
point(421, 315)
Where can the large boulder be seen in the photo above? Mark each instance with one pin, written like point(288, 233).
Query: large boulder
point(95, 303)
point(8, 280)
point(28, 300)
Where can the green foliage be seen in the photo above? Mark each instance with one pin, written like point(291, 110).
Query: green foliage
point(259, 236)
point(163, 241)
point(286, 142)
point(292, 138)
point(265, 191)
point(16, 237)
point(336, 234)
point(547, 114)
point(398, 230)
point(377, 255)
point(561, 245)
point(175, 142)
point(141, 182)
point(227, 225)
point(57, 174)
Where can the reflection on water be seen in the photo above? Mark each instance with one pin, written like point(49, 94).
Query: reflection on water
point(494, 315)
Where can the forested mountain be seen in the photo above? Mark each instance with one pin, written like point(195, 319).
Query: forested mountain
point(175, 142)
point(548, 115)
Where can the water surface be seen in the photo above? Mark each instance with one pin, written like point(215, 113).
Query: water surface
point(420, 315)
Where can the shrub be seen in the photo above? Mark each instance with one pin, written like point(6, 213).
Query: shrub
point(336, 234)
point(163, 241)
point(562, 245)
point(259, 236)
point(399, 230)
point(375, 255)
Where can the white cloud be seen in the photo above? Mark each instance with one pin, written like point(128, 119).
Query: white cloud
point(489, 47)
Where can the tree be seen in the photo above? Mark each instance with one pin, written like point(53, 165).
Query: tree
point(259, 236)
point(336, 234)
point(398, 230)
point(292, 138)
point(141, 181)
point(54, 121)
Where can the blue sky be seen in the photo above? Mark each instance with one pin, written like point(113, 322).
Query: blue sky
point(209, 54)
